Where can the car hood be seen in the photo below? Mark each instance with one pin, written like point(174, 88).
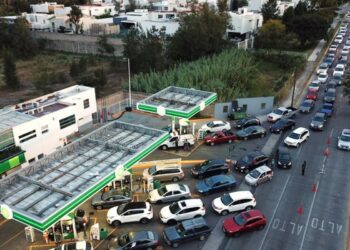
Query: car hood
point(284, 161)
point(96, 199)
point(218, 203)
point(202, 186)
point(165, 212)
point(205, 127)
point(171, 233)
point(154, 195)
point(113, 244)
point(291, 140)
point(231, 226)
point(241, 163)
point(248, 178)
point(273, 115)
point(241, 133)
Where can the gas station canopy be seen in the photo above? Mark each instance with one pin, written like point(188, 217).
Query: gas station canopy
point(177, 102)
point(43, 193)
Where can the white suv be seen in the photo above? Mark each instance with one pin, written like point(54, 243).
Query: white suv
point(182, 210)
point(338, 39)
point(259, 175)
point(130, 212)
point(298, 136)
point(233, 202)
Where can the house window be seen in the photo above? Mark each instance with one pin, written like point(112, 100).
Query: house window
point(27, 136)
point(225, 109)
point(86, 103)
point(165, 8)
point(44, 129)
point(160, 16)
point(31, 160)
point(68, 121)
point(40, 156)
point(263, 105)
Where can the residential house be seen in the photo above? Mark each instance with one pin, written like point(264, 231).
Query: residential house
point(98, 9)
point(38, 21)
point(47, 7)
point(244, 23)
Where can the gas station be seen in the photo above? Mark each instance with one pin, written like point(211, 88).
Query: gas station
point(46, 195)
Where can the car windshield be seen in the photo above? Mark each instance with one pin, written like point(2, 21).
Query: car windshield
point(329, 94)
point(323, 66)
point(209, 182)
point(151, 170)
point(345, 138)
point(210, 124)
point(327, 106)
point(226, 199)
point(174, 208)
point(281, 122)
point(162, 191)
point(180, 229)
point(247, 159)
point(120, 209)
point(255, 174)
point(239, 219)
point(306, 104)
point(318, 118)
point(123, 240)
point(338, 69)
point(294, 135)
point(322, 76)
point(337, 77)
point(105, 196)
point(278, 111)
point(284, 156)
point(313, 85)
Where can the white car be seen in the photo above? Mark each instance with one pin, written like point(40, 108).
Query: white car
point(342, 32)
point(233, 202)
point(79, 245)
point(182, 210)
point(297, 137)
point(259, 175)
point(338, 39)
point(322, 77)
point(323, 68)
point(339, 70)
point(333, 48)
point(130, 212)
point(180, 139)
point(170, 192)
point(347, 44)
point(215, 126)
point(345, 51)
point(344, 140)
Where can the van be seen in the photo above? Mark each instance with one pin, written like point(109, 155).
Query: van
point(164, 172)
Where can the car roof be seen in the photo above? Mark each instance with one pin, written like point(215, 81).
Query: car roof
point(346, 132)
point(241, 195)
point(330, 90)
point(252, 213)
point(220, 177)
point(135, 205)
point(327, 104)
point(190, 203)
point(263, 169)
point(217, 122)
point(193, 223)
point(299, 130)
point(142, 235)
point(256, 153)
point(216, 161)
point(283, 149)
point(319, 114)
point(167, 166)
point(174, 187)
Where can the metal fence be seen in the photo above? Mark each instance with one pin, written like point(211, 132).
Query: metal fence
point(246, 44)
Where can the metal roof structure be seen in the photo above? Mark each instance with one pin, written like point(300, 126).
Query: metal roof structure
point(10, 118)
point(44, 192)
point(177, 102)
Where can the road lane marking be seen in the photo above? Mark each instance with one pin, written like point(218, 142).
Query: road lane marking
point(3, 222)
point(323, 170)
point(274, 212)
point(13, 237)
point(308, 218)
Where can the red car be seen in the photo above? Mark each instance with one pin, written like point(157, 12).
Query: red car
point(311, 94)
point(220, 137)
point(244, 221)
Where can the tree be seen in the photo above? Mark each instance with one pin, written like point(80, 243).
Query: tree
point(272, 35)
point(117, 6)
point(131, 6)
point(11, 78)
point(22, 43)
point(103, 46)
point(300, 9)
point(288, 17)
point(235, 4)
point(200, 34)
point(269, 10)
point(74, 17)
point(222, 6)
point(310, 28)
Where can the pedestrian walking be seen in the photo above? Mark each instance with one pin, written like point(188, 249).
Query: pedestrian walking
point(46, 237)
point(303, 168)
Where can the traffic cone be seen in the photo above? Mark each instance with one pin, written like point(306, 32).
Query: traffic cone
point(300, 210)
point(314, 188)
point(326, 152)
point(328, 140)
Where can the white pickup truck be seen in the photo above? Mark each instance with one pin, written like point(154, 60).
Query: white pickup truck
point(181, 139)
point(281, 112)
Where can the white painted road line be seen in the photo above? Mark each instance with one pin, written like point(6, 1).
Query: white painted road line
point(308, 217)
point(274, 213)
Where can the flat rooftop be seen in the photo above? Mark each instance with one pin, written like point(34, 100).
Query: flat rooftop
point(178, 102)
point(44, 192)
point(10, 118)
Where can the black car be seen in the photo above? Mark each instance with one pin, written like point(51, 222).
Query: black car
point(251, 132)
point(251, 161)
point(283, 158)
point(330, 96)
point(210, 168)
point(337, 79)
point(134, 240)
point(110, 199)
point(306, 106)
point(247, 122)
point(185, 231)
point(318, 121)
point(282, 125)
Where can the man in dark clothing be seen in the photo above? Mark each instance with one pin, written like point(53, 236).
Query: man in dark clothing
point(303, 168)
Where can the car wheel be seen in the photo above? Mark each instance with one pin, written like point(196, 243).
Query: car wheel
point(229, 141)
point(225, 212)
point(144, 220)
point(175, 245)
point(116, 223)
point(212, 144)
point(261, 227)
point(175, 179)
point(245, 138)
point(248, 208)
point(164, 147)
point(202, 237)
point(171, 222)
point(98, 207)
point(236, 234)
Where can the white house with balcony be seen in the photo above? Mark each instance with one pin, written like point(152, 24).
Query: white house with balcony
point(244, 23)
point(38, 21)
point(42, 125)
point(97, 9)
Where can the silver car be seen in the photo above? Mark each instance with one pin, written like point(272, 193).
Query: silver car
point(344, 140)
point(168, 193)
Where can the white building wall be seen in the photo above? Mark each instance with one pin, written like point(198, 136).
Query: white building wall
point(243, 22)
point(95, 10)
point(38, 21)
point(170, 26)
point(255, 5)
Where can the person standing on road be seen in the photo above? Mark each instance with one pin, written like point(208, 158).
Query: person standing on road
point(303, 168)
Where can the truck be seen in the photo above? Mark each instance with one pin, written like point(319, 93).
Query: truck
point(281, 112)
point(181, 139)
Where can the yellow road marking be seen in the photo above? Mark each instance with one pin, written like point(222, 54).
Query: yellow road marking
point(5, 221)
point(45, 245)
point(95, 247)
point(13, 237)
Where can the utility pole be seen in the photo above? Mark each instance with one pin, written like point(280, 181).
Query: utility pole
point(294, 82)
